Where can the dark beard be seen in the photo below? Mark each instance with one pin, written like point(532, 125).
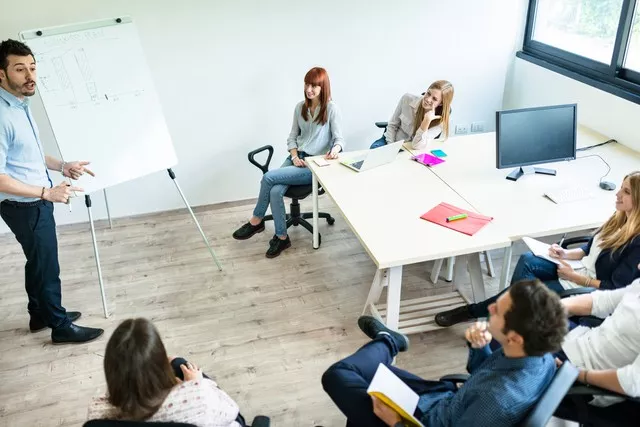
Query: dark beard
point(19, 89)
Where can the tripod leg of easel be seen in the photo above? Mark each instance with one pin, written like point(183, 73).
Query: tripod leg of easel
point(87, 200)
point(195, 220)
point(106, 202)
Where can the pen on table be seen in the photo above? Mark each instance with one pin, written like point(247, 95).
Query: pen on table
point(456, 217)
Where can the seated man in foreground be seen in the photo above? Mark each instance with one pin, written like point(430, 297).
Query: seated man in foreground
point(529, 322)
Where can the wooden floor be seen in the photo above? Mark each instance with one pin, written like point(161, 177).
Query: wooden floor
point(265, 329)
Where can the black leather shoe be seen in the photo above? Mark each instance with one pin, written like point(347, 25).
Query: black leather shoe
point(74, 334)
point(248, 230)
point(372, 327)
point(451, 317)
point(36, 324)
point(277, 245)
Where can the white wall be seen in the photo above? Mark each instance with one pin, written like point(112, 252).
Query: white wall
point(229, 73)
point(531, 85)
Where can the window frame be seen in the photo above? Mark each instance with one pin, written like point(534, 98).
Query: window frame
point(612, 78)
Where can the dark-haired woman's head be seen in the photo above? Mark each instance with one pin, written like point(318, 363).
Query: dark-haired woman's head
point(139, 375)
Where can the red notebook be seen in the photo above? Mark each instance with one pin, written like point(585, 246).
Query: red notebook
point(469, 226)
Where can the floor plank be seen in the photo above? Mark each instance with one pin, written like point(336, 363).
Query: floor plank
point(265, 329)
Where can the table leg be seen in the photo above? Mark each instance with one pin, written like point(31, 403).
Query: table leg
point(477, 279)
point(380, 280)
point(393, 297)
point(314, 197)
point(506, 266)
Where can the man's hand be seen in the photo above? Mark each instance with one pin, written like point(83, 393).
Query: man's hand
point(385, 413)
point(60, 193)
point(477, 335)
point(75, 170)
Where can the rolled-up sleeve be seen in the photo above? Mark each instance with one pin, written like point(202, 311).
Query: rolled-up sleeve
point(605, 302)
point(335, 124)
point(422, 138)
point(292, 141)
point(629, 378)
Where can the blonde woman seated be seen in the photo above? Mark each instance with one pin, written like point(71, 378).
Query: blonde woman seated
point(420, 119)
point(145, 385)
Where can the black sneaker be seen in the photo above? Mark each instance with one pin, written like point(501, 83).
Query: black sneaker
point(248, 230)
point(277, 245)
point(372, 327)
point(451, 317)
point(36, 324)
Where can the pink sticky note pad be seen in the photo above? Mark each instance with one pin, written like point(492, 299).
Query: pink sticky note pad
point(428, 159)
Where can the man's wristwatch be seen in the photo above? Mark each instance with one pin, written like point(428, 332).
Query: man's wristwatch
point(62, 167)
point(294, 157)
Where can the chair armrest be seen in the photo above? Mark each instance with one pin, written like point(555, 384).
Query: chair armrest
point(575, 241)
point(264, 168)
point(590, 390)
point(261, 421)
point(576, 291)
point(382, 125)
point(455, 378)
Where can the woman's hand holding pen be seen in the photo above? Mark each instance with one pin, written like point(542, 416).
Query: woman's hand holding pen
point(557, 251)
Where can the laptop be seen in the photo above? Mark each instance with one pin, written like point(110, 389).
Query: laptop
point(374, 158)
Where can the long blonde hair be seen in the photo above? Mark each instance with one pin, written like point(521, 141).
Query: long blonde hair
point(447, 96)
point(619, 230)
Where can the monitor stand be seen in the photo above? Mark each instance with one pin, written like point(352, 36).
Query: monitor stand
point(526, 170)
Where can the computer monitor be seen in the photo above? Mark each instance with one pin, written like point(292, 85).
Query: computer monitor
point(532, 136)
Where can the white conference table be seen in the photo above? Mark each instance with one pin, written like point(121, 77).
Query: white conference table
point(383, 208)
point(519, 207)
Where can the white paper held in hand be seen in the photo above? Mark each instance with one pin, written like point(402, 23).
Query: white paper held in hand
point(391, 390)
point(541, 250)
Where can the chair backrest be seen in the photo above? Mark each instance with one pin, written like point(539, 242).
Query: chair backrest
point(551, 398)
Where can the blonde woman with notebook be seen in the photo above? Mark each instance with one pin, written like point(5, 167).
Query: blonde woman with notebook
point(610, 257)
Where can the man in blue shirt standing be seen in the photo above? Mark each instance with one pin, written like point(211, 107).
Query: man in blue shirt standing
point(528, 321)
point(27, 195)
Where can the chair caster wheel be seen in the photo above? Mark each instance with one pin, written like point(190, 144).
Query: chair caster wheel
point(331, 221)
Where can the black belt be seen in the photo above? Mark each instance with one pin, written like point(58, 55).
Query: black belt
point(15, 204)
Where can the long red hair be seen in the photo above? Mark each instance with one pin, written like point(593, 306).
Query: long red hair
point(317, 76)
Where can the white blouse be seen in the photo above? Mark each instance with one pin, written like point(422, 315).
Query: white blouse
point(400, 125)
point(198, 402)
point(589, 262)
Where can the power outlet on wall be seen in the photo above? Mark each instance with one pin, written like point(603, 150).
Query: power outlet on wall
point(477, 127)
point(462, 129)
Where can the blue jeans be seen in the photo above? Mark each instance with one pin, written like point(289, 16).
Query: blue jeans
point(34, 227)
point(379, 143)
point(346, 382)
point(529, 267)
point(273, 185)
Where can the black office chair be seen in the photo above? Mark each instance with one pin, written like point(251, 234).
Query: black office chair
point(543, 410)
point(575, 407)
point(259, 421)
point(295, 193)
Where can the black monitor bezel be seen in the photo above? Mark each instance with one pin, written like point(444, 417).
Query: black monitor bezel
point(499, 114)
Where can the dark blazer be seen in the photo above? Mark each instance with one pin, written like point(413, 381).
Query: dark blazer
point(617, 269)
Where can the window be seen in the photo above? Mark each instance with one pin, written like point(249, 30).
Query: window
point(632, 60)
point(594, 41)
